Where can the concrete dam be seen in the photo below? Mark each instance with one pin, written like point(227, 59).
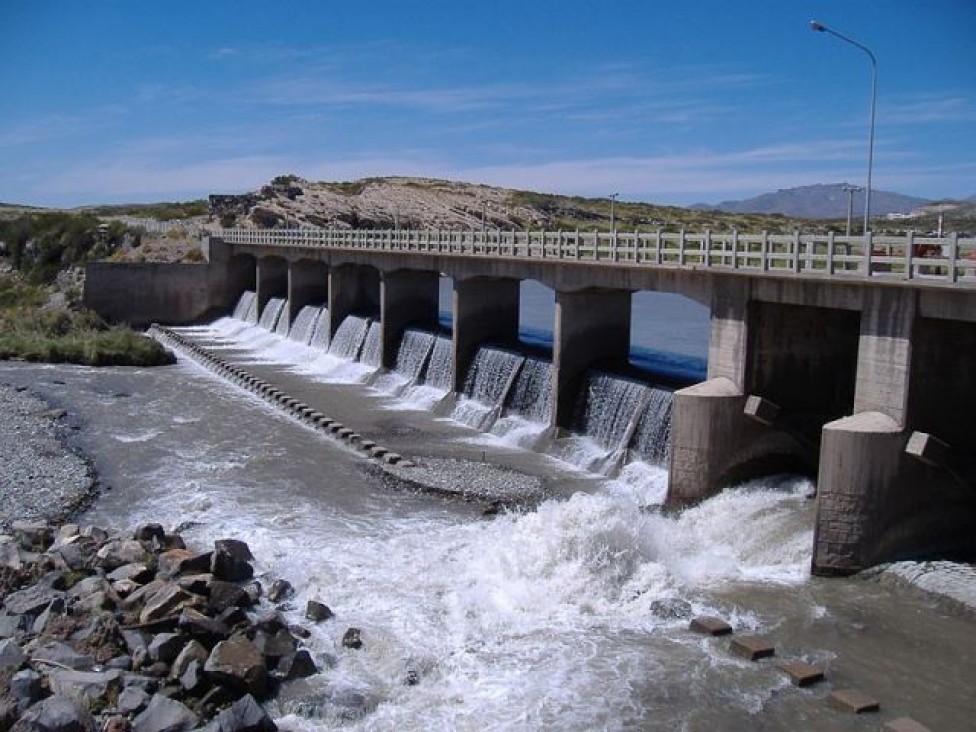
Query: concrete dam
point(844, 357)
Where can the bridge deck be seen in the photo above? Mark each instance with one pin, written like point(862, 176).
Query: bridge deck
point(922, 260)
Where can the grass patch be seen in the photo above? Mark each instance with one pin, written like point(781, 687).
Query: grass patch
point(30, 332)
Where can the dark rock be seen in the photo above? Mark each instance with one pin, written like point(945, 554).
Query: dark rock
point(132, 700)
point(179, 561)
point(275, 645)
point(254, 591)
point(89, 688)
point(224, 595)
point(164, 715)
point(237, 663)
point(120, 552)
point(166, 647)
point(55, 714)
point(122, 663)
point(192, 651)
point(135, 640)
point(55, 579)
point(297, 665)
point(63, 655)
point(144, 593)
point(33, 535)
point(10, 625)
point(317, 611)
point(55, 609)
point(352, 638)
point(233, 617)
point(198, 625)
point(168, 601)
point(136, 572)
point(244, 715)
point(76, 556)
point(231, 559)
point(11, 655)
point(8, 713)
point(31, 601)
point(150, 532)
point(159, 670)
point(299, 631)
point(271, 622)
point(280, 590)
point(193, 678)
point(26, 687)
point(198, 584)
point(88, 587)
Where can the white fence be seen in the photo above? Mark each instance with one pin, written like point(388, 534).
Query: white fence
point(949, 260)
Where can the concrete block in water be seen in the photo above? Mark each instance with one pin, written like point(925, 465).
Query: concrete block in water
point(853, 701)
point(752, 647)
point(709, 625)
point(927, 448)
point(802, 674)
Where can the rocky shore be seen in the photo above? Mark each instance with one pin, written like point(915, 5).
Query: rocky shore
point(138, 632)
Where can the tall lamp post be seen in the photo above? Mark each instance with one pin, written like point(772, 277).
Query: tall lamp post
point(850, 190)
point(613, 226)
point(821, 28)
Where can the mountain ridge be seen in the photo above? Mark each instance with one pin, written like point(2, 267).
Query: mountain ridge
point(817, 201)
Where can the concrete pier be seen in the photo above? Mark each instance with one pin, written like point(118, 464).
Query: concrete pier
point(308, 284)
point(407, 297)
point(353, 290)
point(486, 310)
point(272, 280)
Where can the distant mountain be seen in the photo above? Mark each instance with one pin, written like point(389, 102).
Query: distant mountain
point(820, 201)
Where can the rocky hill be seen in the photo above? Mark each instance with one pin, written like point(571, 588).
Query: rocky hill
point(422, 203)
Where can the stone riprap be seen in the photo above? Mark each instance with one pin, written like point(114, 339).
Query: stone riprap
point(137, 632)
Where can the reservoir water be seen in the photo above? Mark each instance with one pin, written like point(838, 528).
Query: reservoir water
point(569, 613)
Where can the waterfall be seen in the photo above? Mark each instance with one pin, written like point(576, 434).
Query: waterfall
point(608, 408)
point(301, 330)
point(415, 347)
point(488, 381)
point(320, 330)
point(348, 340)
point(284, 324)
point(246, 305)
point(271, 313)
point(438, 374)
point(532, 392)
point(652, 437)
point(372, 346)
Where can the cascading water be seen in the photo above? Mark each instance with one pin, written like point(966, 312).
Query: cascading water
point(304, 325)
point(320, 331)
point(486, 386)
point(372, 345)
point(434, 372)
point(415, 348)
point(271, 313)
point(438, 373)
point(348, 340)
point(246, 307)
point(652, 438)
point(528, 407)
point(283, 326)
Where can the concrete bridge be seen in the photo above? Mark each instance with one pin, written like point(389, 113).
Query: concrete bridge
point(848, 357)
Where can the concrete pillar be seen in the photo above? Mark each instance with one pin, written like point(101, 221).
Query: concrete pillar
point(591, 326)
point(407, 297)
point(271, 280)
point(353, 289)
point(885, 352)
point(485, 310)
point(728, 331)
point(708, 430)
point(308, 284)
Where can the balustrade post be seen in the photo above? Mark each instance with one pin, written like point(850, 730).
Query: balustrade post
point(796, 251)
point(576, 252)
point(707, 248)
point(735, 251)
point(953, 255)
point(681, 249)
point(868, 253)
point(830, 252)
point(658, 255)
point(909, 254)
point(765, 251)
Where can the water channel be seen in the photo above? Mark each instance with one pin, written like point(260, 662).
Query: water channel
point(552, 616)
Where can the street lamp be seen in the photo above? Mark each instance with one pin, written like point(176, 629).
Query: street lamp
point(613, 198)
point(850, 190)
point(821, 28)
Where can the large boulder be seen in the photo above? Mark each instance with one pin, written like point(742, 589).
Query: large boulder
point(32, 600)
point(89, 688)
point(120, 552)
point(164, 715)
point(11, 655)
point(165, 603)
point(64, 656)
point(238, 664)
point(244, 715)
point(231, 560)
point(55, 714)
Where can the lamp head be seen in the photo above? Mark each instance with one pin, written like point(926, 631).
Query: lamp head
point(818, 27)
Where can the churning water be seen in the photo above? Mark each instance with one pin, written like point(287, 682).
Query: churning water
point(568, 615)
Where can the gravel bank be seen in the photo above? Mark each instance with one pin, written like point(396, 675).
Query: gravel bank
point(40, 478)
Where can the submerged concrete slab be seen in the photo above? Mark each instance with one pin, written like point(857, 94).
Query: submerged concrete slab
point(710, 625)
point(752, 647)
point(802, 674)
point(905, 724)
point(853, 701)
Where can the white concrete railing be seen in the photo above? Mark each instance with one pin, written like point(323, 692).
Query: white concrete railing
point(949, 260)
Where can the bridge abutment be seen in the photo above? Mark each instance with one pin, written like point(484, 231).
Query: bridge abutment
point(485, 310)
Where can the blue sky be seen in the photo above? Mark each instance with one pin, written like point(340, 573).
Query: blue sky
point(107, 101)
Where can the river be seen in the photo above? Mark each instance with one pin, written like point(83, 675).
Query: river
point(545, 617)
